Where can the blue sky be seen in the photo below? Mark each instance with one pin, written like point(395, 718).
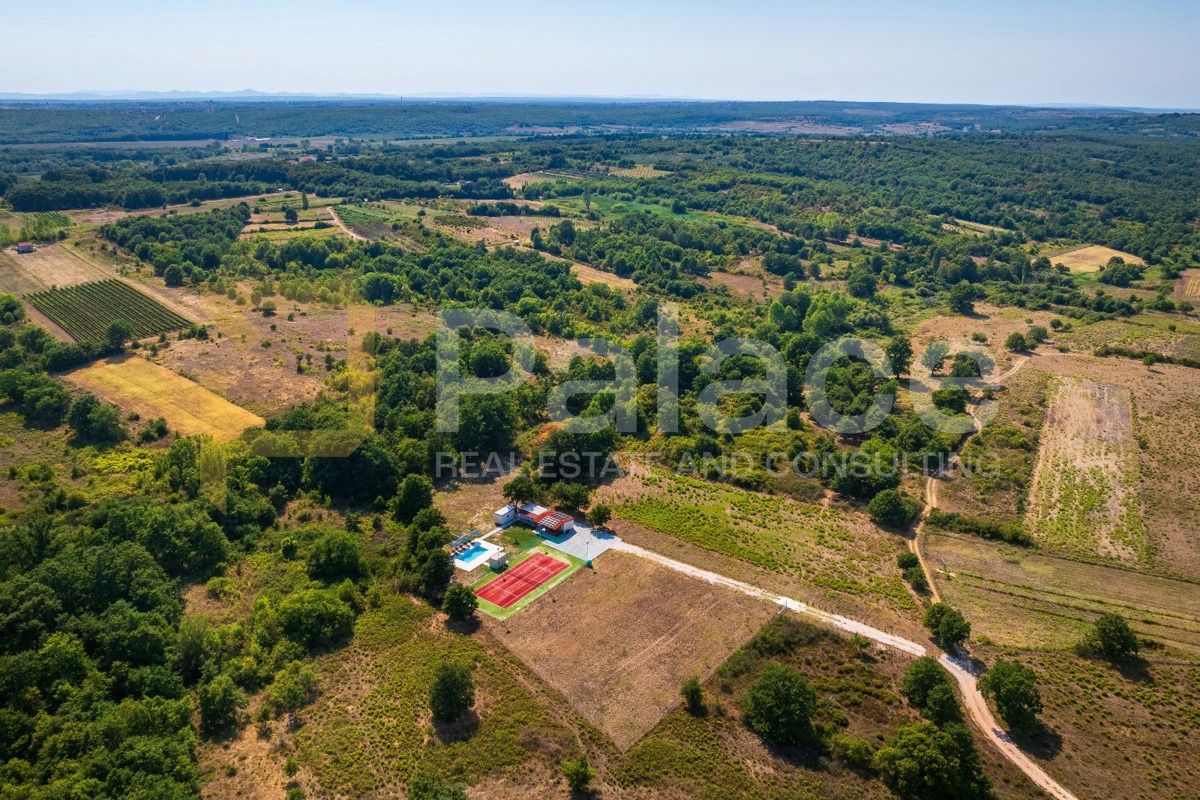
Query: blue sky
point(1053, 51)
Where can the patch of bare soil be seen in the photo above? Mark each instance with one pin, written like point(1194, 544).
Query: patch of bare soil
point(619, 641)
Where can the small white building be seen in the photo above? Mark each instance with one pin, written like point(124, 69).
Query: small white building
point(505, 516)
point(498, 561)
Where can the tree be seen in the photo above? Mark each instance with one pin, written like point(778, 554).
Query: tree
point(599, 515)
point(416, 493)
point(1013, 686)
point(220, 700)
point(1112, 638)
point(520, 489)
point(693, 695)
point(947, 625)
point(922, 761)
point(962, 298)
point(892, 508)
point(459, 603)
point(117, 334)
point(578, 773)
point(290, 215)
point(335, 557)
point(173, 275)
point(934, 356)
point(780, 705)
point(94, 421)
point(899, 351)
point(920, 678)
point(861, 283)
point(908, 560)
point(941, 706)
point(453, 691)
point(1015, 342)
point(11, 309)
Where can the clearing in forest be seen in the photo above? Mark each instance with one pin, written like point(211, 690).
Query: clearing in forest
point(151, 391)
point(1084, 497)
point(1092, 259)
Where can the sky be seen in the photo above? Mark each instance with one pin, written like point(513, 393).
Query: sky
point(1093, 52)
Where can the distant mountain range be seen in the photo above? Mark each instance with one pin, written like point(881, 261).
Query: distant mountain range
point(252, 95)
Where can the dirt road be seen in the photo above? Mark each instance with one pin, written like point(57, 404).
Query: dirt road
point(338, 221)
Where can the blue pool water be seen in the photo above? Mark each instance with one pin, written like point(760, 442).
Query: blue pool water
point(471, 553)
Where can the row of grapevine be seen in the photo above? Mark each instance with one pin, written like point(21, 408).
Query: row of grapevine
point(85, 311)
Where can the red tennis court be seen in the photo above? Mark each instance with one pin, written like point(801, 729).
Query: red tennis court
point(521, 580)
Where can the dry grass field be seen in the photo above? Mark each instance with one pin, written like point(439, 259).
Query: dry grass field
point(618, 642)
point(1084, 496)
point(639, 171)
point(1092, 258)
point(52, 265)
point(1018, 597)
point(137, 385)
point(1188, 286)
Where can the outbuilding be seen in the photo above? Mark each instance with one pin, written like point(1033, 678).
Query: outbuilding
point(25, 247)
point(505, 516)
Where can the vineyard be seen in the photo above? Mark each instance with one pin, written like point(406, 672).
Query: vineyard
point(85, 311)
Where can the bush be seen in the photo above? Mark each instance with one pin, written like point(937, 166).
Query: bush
point(1015, 342)
point(780, 705)
point(315, 618)
point(908, 560)
point(459, 603)
point(854, 753)
point(578, 773)
point(916, 578)
point(431, 786)
point(453, 691)
point(693, 695)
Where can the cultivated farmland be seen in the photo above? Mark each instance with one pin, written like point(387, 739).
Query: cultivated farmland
point(140, 386)
point(85, 311)
point(1084, 497)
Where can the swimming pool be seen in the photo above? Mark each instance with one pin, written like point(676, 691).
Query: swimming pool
point(475, 555)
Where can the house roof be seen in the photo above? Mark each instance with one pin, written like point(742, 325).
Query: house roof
point(553, 522)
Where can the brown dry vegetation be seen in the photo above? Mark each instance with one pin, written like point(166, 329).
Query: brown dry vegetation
point(139, 386)
point(1092, 258)
point(1121, 733)
point(620, 640)
point(1083, 499)
point(1022, 598)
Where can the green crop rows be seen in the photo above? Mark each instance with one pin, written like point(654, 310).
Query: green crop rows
point(85, 311)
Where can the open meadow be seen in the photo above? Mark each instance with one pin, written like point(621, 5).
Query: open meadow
point(142, 387)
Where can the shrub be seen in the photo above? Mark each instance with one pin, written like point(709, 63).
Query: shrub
point(220, 700)
point(431, 786)
point(315, 617)
point(578, 773)
point(922, 762)
point(853, 752)
point(693, 695)
point(908, 560)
